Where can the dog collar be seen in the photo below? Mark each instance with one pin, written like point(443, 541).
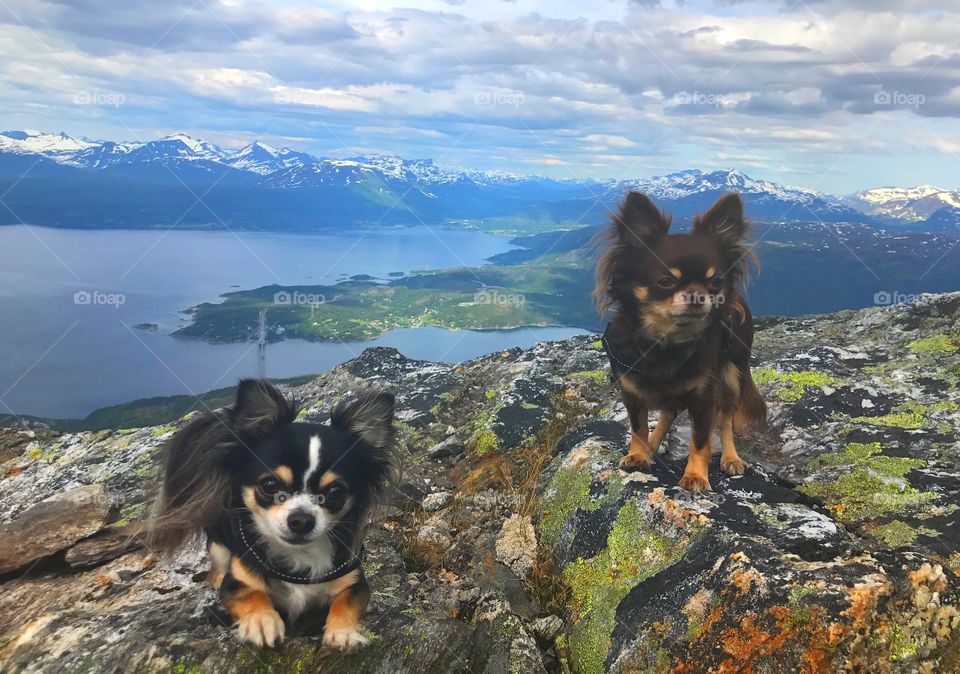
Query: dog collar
point(261, 560)
point(726, 326)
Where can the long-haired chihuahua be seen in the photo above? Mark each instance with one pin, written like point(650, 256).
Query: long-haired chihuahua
point(283, 504)
point(681, 334)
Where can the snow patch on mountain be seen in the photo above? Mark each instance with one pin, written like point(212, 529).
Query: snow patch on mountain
point(906, 203)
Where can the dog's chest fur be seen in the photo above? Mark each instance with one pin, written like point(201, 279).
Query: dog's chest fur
point(295, 598)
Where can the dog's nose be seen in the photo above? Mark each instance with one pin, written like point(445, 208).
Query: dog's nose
point(301, 522)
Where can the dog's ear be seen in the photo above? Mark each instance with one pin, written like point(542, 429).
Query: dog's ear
point(369, 417)
point(724, 220)
point(260, 408)
point(725, 223)
point(639, 222)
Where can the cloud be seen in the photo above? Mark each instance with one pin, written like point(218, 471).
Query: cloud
point(648, 84)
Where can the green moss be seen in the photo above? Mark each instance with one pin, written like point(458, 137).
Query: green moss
point(491, 394)
point(485, 441)
point(901, 646)
point(933, 344)
point(910, 416)
point(599, 376)
point(875, 486)
point(291, 659)
point(634, 552)
point(163, 430)
point(597, 344)
point(569, 490)
point(791, 385)
point(181, 668)
point(899, 534)
point(482, 439)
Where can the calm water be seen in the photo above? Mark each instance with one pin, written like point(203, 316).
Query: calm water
point(64, 359)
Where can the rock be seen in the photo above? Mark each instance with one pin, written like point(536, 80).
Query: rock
point(837, 551)
point(450, 446)
point(546, 628)
point(517, 545)
point(53, 525)
point(435, 502)
point(104, 546)
point(434, 536)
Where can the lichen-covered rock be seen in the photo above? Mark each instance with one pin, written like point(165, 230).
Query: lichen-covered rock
point(515, 544)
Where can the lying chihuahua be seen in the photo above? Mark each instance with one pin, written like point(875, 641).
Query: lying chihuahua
point(283, 505)
point(681, 335)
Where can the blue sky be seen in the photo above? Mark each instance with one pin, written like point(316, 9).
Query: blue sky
point(828, 94)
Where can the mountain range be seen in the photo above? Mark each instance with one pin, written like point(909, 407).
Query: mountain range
point(56, 180)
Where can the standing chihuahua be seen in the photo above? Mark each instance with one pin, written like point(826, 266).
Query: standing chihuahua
point(682, 334)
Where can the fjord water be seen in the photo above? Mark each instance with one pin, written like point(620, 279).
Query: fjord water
point(67, 354)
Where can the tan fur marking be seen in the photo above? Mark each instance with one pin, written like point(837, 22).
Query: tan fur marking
point(219, 564)
point(345, 612)
point(711, 272)
point(250, 578)
point(247, 601)
point(250, 499)
point(696, 477)
point(328, 478)
point(661, 430)
point(641, 293)
point(730, 461)
point(676, 272)
point(639, 447)
point(284, 474)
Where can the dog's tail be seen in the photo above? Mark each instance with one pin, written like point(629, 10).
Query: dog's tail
point(751, 413)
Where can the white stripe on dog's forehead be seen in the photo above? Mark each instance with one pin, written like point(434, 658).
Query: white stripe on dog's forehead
point(314, 460)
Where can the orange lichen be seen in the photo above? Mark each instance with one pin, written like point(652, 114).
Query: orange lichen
point(745, 579)
point(863, 602)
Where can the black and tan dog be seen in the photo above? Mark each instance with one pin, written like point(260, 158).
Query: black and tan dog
point(283, 505)
point(681, 334)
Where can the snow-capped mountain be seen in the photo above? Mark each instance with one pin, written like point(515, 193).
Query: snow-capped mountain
point(54, 145)
point(906, 203)
point(692, 191)
point(130, 183)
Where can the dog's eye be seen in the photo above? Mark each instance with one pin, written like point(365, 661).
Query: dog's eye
point(715, 284)
point(666, 281)
point(269, 486)
point(333, 496)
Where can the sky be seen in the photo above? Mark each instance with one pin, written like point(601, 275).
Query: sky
point(832, 95)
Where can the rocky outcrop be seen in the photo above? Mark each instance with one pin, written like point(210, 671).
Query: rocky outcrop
point(514, 543)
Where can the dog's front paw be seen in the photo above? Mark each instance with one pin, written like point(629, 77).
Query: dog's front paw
point(694, 483)
point(735, 466)
point(344, 639)
point(634, 462)
point(262, 628)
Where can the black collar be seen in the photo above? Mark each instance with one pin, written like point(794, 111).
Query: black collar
point(726, 325)
point(345, 560)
